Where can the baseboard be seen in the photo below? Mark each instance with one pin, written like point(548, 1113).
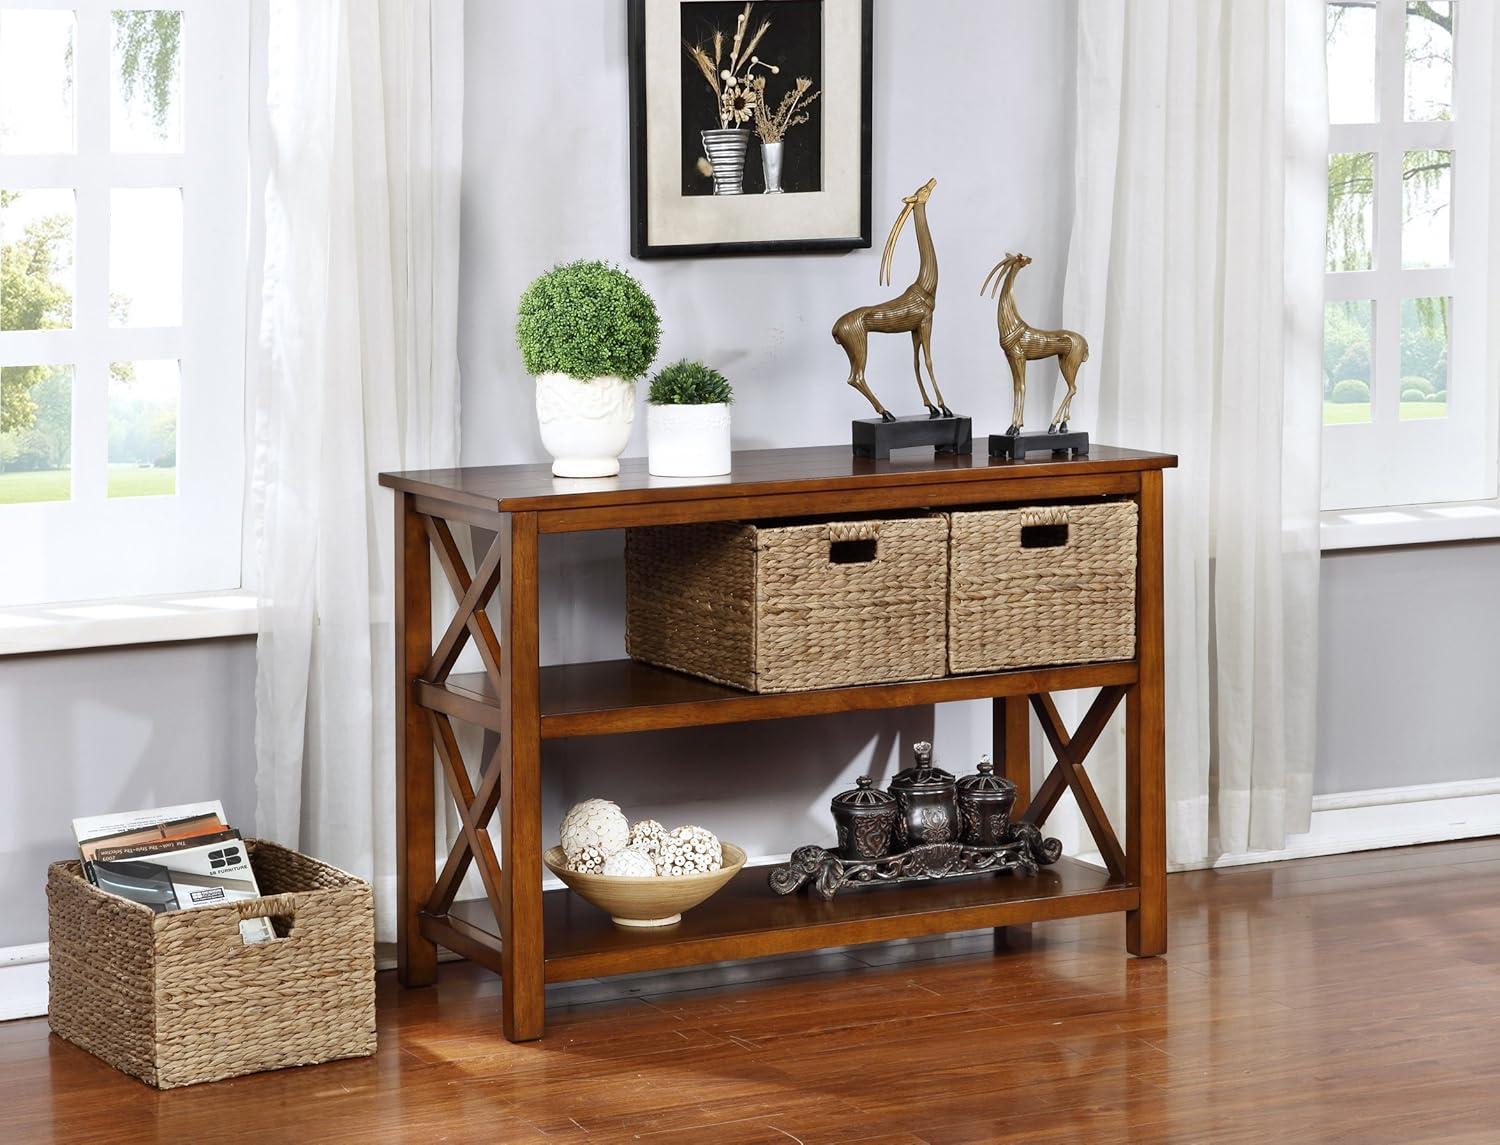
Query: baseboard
point(1351, 821)
point(1389, 817)
point(23, 981)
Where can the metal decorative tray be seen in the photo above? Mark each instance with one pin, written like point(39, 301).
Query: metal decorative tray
point(1024, 852)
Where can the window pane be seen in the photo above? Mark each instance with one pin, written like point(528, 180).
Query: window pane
point(1429, 59)
point(146, 81)
point(36, 259)
point(1426, 222)
point(1351, 210)
point(143, 428)
point(1351, 62)
point(36, 82)
point(145, 257)
point(36, 433)
point(1348, 378)
point(1424, 358)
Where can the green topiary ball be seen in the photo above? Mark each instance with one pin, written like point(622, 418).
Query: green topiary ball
point(1350, 390)
point(1412, 394)
point(687, 383)
point(587, 319)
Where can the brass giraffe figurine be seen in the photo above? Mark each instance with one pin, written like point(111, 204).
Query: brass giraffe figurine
point(911, 312)
point(1023, 343)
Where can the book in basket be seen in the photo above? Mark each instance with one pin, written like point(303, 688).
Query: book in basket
point(172, 858)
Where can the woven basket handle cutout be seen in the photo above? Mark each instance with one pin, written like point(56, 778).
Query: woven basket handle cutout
point(1045, 527)
point(853, 542)
point(280, 909)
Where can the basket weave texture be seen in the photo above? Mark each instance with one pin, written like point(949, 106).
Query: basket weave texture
point(179, 998)
point(1012, 606)
point(770, 609)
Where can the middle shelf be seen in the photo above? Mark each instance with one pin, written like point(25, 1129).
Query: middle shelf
point(605, 697)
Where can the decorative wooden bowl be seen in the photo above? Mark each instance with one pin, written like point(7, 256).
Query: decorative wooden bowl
point(656, 900)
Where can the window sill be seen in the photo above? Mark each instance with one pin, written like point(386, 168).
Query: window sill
point(35, 628)
point(1409, 525)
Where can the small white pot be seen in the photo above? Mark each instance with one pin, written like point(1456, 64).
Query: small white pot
point(585, 424)
point(688, 441)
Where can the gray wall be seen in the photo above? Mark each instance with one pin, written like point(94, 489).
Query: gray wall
point(82, 733)
point(1410, 675)
point(551, 184)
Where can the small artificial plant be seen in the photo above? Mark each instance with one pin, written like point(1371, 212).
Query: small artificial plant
point(587, 319)
point(687, 383)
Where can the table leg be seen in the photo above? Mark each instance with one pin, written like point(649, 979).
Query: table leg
point(1145, 739)
point(1011, 743)
point(522, 967)
point(416, 833)
point(1012, 746)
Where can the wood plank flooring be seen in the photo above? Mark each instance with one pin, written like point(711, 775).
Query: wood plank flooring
point(1354, 998)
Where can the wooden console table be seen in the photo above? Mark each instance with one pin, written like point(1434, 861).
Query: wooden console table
point(531, 937)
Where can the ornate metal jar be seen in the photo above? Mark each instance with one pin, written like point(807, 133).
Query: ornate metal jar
point(866, 821)
point(927, 802)
point(984, 803)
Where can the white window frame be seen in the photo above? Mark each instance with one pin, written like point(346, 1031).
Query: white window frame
point(1390, 462)
point(93, 546)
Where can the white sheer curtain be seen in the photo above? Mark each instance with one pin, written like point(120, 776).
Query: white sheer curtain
point(1195, 270)
point(357, 373)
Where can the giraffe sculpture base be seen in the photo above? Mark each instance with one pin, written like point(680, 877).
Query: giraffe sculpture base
point(875, 438)
point(1013, 445)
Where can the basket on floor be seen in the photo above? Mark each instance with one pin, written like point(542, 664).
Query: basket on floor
point(1043, 585)
point(179, 998)
point(786, 608)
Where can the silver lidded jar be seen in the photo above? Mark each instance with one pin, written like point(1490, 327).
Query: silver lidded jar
point(927, 802)
point(866, 821)
point(984, 803)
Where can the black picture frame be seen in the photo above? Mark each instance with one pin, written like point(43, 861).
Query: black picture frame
point(641, 248)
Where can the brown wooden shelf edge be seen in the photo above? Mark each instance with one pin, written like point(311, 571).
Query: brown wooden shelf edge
point(756, 473)
point(612, 696)
point(747, 920)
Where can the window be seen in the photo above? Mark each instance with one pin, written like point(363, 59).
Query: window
point(1407, 401)
point(123, 172)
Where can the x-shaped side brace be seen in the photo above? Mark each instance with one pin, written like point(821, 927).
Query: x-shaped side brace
point(1068, 771)
point(475, 808)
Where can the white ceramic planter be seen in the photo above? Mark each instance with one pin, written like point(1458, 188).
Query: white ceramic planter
point(688, 441)
point(585, 425)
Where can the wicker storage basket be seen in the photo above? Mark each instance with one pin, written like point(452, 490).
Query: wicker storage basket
point(1053, 584)
point(179, 998)
point(786, 608)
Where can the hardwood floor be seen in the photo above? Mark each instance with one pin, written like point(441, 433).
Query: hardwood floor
point(1352, 998)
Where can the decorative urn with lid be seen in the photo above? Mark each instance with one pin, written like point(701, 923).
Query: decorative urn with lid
point(926, 802)
point(984, 803)
point(866, 821)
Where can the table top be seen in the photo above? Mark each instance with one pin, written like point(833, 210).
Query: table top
point(819, 468)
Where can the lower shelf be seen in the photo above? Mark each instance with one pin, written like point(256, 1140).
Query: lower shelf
point(747, 920)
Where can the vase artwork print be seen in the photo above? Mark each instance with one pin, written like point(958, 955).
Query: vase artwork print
point(751, 121)
point(749, 126)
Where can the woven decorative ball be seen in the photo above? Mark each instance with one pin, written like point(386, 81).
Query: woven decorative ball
point(689, 850)
point(647, 835)
point(632, 862)
point(593, 831)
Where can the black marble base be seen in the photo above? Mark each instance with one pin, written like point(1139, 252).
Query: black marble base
point(1013, 445)
point(873, 437)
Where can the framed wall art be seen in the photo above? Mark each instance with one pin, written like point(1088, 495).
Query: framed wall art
point(749, 126)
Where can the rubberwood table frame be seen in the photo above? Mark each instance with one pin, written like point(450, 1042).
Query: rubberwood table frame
point(530, 937)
